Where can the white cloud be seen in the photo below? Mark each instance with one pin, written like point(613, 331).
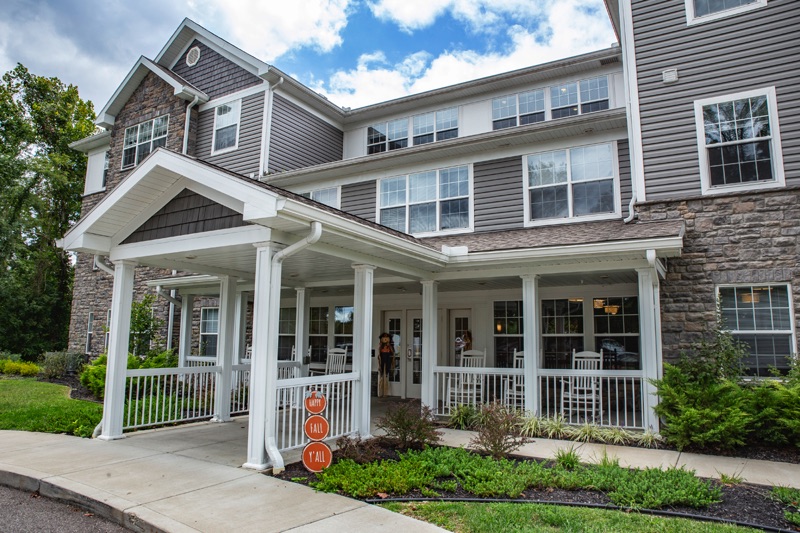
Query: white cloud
point(567, 28)
point(268, 29)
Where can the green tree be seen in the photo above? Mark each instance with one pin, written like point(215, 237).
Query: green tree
point(41, 181)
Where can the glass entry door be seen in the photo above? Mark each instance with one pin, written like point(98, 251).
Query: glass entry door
point(413, 356)
point(393, 324)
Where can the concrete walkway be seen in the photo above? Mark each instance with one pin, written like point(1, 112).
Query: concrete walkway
point(189, 479)
point(182, 480)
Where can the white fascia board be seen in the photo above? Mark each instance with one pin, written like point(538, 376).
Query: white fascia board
point(666, 247)
point(596, 265)
point(87, 243)
point(192, 242)
point(350, 228)
point(92, 142)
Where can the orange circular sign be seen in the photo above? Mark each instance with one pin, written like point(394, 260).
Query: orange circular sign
point(317, 456)
point(315, 403)
point(317, 427)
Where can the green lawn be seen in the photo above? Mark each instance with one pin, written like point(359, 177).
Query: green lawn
point(531, 517)
point(30, 405)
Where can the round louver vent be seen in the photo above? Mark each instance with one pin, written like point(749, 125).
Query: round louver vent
point(192, 56)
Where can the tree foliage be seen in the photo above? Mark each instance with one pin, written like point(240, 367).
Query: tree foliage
point(41, 181)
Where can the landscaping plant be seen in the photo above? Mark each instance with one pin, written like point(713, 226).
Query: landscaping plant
point(409, 425)
point(497, 431)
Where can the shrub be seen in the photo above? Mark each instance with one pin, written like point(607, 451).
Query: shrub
point(20, 368)
point(555, 427)
point(497, 430)
point(531, 426)
point(409, 425)
point(8, 356)
point(356, 449)
point(55, 365)
point(464, 416)
point(93, 377)
point(775, 409)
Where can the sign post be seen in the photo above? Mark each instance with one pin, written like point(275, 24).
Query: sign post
point(316, 455)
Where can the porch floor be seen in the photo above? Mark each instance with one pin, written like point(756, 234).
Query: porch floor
point(222, 443)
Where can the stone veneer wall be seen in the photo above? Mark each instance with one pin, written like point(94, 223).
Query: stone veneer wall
point(93, 288)
point(748, 238)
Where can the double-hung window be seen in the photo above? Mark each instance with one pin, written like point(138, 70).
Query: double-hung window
point(209, 331)
point(508, 319)
point(226, 126)
point(577, 182)
point(105, 170)
point(426, 202)
point(142, 139)
point(435, 126)
point(523, 108)
point(287, 320)
point(760, 316)
point(739, 142)
point(580, 97)
point(318, 334)
point(387, 136)
point(328, 196)
point(698, 11)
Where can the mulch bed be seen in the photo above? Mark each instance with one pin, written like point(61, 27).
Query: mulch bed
point(77, 391)
point(744, 502)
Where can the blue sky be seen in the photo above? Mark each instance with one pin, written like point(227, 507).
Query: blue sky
point(356, 52)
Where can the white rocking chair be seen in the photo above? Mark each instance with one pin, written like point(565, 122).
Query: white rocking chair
point(581, 395)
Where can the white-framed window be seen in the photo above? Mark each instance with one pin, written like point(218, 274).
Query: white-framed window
point(209, 331)
point(574, 183)
point(387, 136)
point(435, 126)
point(616, 331)
point(562, 331)
point(761, 316)
point(287, 321)
point(105, 170)
point(508, 320)
point(89, 328)
point(328, 196)
point(426, 202)
point(579, 97)
point(699, 11)
point(518, 109)
point(226, 126)
point(142, 139)
point(318, 334)
point(343, 328)
point(739, 142)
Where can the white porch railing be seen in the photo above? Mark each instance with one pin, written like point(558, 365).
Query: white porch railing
point(157, 396)
point(240, 389)
point(291, 415)
point(616, 397)
point(193, 361)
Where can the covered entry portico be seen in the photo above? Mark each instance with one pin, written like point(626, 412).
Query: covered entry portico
point(271, 239)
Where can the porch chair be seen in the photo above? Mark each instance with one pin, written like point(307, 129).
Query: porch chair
point(467, 388)
point(581, 395)
point(514, 393)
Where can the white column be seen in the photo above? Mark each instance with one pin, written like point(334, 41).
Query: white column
point(256, 438)
point(240, 328)
point(227, 313)
point(303, 307)
point(650, 320)
point(362, 344)
point(531, 340)
point(430, 336)
point(271, 373)
point(185, 348)
point(114, 399)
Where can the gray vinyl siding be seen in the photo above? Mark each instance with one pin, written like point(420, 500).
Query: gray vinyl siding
point(752, 50)
point(498, 194)
point(299, 139)
point(214, 74)
point(245, 160)
point(624, 158)
point(187, 213)
point(359, 199)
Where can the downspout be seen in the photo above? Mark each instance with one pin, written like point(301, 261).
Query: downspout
point(272, 331)
point(187, 122)
point(631, 105)
point(171, 320)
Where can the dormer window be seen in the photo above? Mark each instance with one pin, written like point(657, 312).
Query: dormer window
point(437, 126)
point(581, 97)
point(226, 126)
point(142, 139)
point(531, 109)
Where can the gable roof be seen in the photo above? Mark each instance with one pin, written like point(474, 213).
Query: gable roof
point(142, 67)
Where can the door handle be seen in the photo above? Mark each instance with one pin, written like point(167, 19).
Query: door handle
point(408, 354)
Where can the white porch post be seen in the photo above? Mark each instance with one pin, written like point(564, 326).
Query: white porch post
point(303, 307)
point(185, 348)
point(362, 343)
point(430, 333)
point(122, 298)
point(227, 312)
point(649, 316)
point(531, 340)
point(240, 328)
point(256, 438)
